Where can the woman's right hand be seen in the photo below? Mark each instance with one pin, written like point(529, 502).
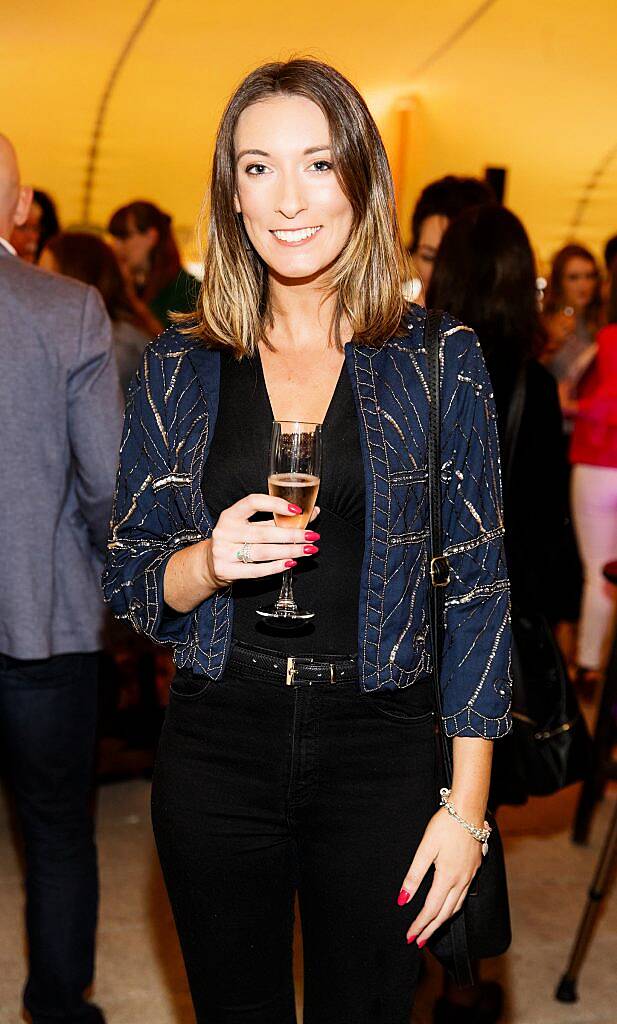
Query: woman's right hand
point(273, 549)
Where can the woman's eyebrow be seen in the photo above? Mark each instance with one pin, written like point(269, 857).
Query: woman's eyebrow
point(262, 152)
point(251, 152)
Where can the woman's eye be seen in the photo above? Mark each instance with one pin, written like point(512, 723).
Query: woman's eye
point(256, 169)
point(321, 165)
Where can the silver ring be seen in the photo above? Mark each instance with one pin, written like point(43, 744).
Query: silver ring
point(243, 555)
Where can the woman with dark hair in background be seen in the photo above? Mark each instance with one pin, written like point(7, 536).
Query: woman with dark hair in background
point(40, 225)
point(146, 249)
point(438, 204)
point(593, 454)
point(485, 275)
point(88, 258)
point(572, 316)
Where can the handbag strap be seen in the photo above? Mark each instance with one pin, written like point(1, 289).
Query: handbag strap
point(439, 567)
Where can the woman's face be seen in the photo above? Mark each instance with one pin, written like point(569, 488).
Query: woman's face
point(579, 282)
point(432, 230)
point(295, 212)
point(133, 247)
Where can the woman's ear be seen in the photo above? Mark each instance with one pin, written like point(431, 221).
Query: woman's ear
point(237, 206)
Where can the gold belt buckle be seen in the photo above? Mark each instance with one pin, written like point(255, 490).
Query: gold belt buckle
point(291, 672)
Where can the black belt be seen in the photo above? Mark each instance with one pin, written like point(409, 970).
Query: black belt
point(290, 671)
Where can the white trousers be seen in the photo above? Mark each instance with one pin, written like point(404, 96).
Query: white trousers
point(594, 513)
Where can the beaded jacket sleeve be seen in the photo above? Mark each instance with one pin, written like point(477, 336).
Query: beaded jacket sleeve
point(155, 511)
point(477, 639)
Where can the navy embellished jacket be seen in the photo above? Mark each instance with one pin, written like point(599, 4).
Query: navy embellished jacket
point(159, 508)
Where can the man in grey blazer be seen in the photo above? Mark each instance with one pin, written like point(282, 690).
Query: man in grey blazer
point(61, 413)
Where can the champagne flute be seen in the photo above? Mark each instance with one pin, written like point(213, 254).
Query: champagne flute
point(295, 468)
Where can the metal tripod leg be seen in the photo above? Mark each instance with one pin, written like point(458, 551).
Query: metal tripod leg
point(600, 769)
point(566, 990)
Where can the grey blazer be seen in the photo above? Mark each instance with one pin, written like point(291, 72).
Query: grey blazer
point(60, 427)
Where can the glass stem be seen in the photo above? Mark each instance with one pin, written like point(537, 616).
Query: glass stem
point(285, 602)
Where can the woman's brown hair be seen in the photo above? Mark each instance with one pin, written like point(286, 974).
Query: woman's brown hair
point(89, 259)
point(368, 275)
point(554, 293)
point(165, 264)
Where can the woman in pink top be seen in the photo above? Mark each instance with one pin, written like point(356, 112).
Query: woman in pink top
point(594, 496)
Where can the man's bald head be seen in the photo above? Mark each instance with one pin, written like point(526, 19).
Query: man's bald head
point(15, 199)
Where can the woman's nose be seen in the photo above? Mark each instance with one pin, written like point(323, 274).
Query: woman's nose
point(290, 202)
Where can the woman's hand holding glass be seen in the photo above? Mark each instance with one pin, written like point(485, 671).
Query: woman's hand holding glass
point(269, 548)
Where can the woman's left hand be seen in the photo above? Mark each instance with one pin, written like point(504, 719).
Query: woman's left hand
point(456, 856)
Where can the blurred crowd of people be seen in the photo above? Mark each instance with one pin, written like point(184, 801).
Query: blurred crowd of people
point(551, 352)
point(558, 339)
point(136, 267)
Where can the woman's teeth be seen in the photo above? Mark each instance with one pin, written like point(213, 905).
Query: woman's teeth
point(296, 236)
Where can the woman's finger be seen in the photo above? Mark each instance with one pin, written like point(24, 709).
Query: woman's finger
point(252, 503)
point(269, 533)
point(437, 896)
point(461, 899)
point(237, 570)
point(269, 524)
point(446, 911)
point(272, 552)
point(419, 866)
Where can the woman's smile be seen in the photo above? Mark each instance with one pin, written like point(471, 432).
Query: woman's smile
point(295, 236)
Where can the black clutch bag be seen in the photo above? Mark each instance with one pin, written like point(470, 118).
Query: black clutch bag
point(481, 928)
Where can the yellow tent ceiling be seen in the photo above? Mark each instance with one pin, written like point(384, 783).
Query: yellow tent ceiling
point(455, 85)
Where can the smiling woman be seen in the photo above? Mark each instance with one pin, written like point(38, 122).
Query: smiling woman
point(311, 767)
point(331, 179)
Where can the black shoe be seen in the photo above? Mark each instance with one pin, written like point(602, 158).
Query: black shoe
point(487, 1008)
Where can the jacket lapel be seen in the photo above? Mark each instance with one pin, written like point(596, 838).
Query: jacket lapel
point(365, 366)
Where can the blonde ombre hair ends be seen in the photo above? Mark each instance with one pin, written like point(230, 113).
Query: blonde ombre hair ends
point(368, 275)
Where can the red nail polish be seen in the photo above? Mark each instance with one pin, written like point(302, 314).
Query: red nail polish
point(290, 564)
point(295, 509)
point(311, 535)
point(421, 943)
point(310, 549)
point(403, 898)
point(412, 938)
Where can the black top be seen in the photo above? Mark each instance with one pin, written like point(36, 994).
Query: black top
point(327, 583)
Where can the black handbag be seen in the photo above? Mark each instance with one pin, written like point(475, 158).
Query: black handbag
point(481, 928)
point(549, 746)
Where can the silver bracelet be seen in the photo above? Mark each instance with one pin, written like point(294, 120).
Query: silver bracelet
point(481, 834)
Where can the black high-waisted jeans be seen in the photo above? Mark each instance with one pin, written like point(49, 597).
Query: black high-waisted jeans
point(262, 790)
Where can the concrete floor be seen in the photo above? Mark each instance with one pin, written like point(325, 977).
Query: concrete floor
point(139, 969)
